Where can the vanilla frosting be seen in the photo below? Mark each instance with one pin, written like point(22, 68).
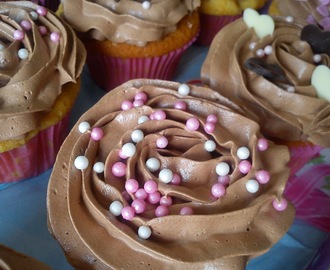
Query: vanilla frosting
point(127, 21)
point(287, 107)
point(226, 228)
point(312, 11)
point(38, 54)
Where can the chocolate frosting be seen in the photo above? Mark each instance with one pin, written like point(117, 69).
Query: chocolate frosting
point(312, 11)
point(282, 114)
point(222, 233)
point(29, 86)
point(126, 21)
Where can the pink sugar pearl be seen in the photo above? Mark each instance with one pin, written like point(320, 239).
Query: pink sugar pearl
point(119, 169)
point(126, 105)
point(212, 118)
point(262, 176)
point(150, 186)
point(139, 206)
point(42, 11)
point(138, 103)
point(161, 211)
point(209, 127)
point(224, 180)
point(97, 134)
point(42, 30)
point(244, 166)
point(162, 142)
point(192, 124)
point(180, 105)
point(166, 200)
point(26, 25)
point(280, 205)
point(218, 190)
point(141, 194)
point(186, 211)
point(176, 180)
point(19, 35)
point(262, 144)
point(128, 213)
point(154, 198)
point(141, 96)
point(55, 36)
point(159, 115)
point(131, 185)
point(121, 154)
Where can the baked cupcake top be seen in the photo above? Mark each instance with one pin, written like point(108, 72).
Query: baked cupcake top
point(312, 11)
point(127, 21)
point(160, 175)
point(39, 53)
point(276, 73)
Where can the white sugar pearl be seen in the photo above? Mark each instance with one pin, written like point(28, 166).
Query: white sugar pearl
point(184, 89)
point(268, 50)
point(260, 53)
point(98, 167)
point(34, 15)
point(290, 89)
point(222, 169)
point(81, 162)
point(146, 4)
point(252, 186)
point(210, 146)
point(317, 58)
point(243, 152)
point(115, 208)
point(83, 127)
point(137, 135)
point(252, 45)
point(144, 232)
point(142, 119)
point(128, 149)
point(153, 164)
point(289, 19)
point(23, 53)
point(166, 176)
point(2, 47)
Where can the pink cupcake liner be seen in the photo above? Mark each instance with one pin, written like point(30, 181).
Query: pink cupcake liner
point(211, 25)
point(306, 191)
point(36, 156)
point(109, 72)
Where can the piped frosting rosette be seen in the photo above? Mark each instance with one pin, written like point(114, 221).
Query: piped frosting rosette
point(163, 175)
point(39, 53)
point(278, 70)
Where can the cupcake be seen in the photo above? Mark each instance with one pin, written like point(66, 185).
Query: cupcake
point(278, 74)
point(133, 39)
point(11, 259)
point(215, 14)
point(162, 175)
point(41, 61)
point(312, 11)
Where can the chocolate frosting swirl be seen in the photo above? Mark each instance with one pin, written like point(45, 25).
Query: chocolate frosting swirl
point(223, 232)
point(126, 21)
point(282, 114)
point(30, 84)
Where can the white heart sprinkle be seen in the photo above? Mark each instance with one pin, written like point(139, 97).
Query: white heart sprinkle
point(321, 81)
point(263, 24)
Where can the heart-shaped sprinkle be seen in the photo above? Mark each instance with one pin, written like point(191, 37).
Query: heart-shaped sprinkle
point(319, 40)
point(321, 81)
point(263, 24)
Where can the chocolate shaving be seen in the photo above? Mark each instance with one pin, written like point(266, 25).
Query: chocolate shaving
point(271, 72)
point(318, 40)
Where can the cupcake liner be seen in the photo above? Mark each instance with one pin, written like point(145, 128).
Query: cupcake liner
point(36, 156)
point(211, 25)
point(108, 72)
point(50, 4)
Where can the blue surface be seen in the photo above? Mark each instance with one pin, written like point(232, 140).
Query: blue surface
point(23, 214)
